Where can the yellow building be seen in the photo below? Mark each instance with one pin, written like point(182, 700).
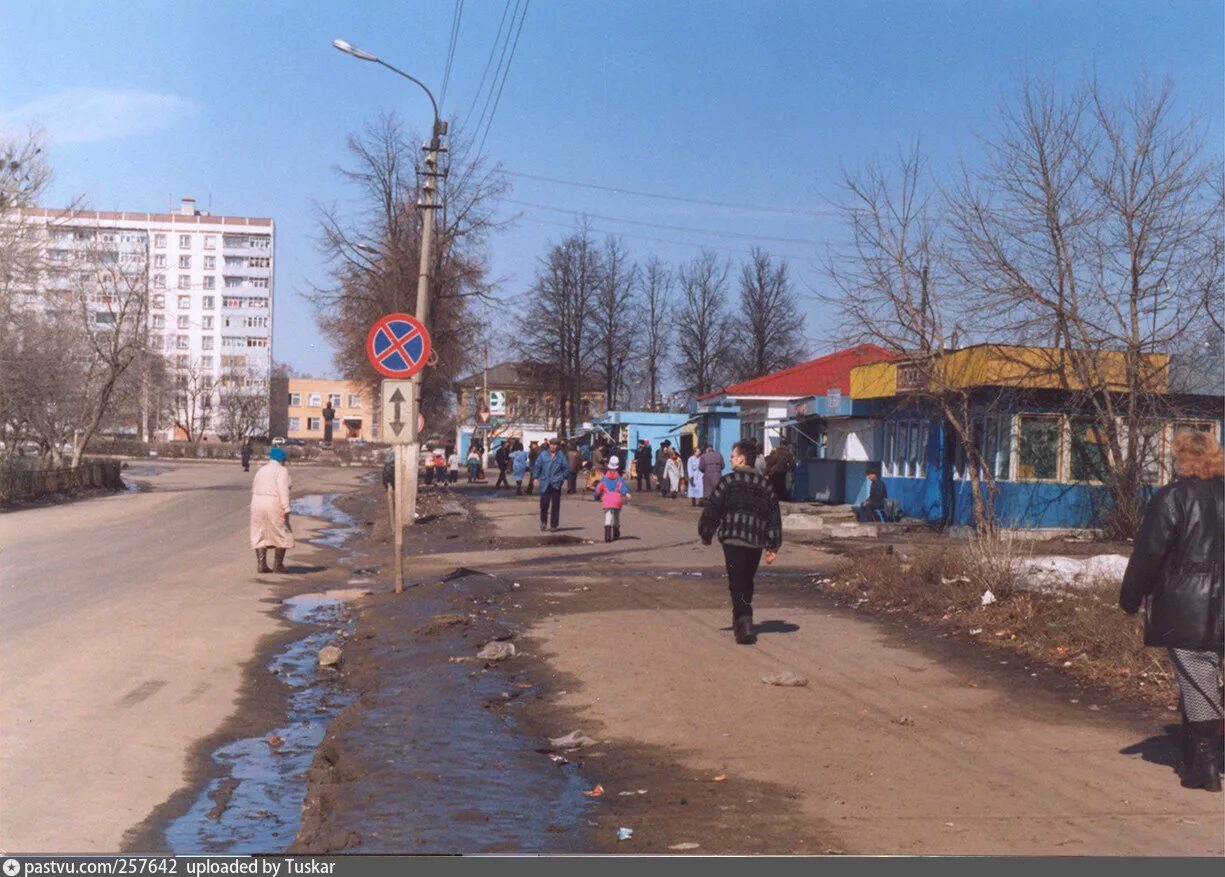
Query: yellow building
point(1002, 365)
point(353, 404)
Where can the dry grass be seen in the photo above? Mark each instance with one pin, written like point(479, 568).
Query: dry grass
point(1082, 633)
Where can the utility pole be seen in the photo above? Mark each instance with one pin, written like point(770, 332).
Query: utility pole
point(429, 203)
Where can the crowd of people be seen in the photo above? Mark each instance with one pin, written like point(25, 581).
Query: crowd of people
point(1174, 574)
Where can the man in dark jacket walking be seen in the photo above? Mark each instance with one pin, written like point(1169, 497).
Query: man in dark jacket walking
point(502, 458)
point(246, 455)
point(744, 513)
point(643, 461)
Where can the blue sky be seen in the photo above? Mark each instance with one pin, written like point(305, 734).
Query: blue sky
point(245, 106)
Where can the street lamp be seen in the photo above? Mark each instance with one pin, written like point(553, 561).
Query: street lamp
point(429, 202)
point(348, 48)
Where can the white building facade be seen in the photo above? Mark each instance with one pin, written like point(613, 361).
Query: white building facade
point(210, 286)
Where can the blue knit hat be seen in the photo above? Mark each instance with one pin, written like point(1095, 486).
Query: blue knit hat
point(277, 454)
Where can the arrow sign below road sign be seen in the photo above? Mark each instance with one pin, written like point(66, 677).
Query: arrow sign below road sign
point(396, 399)
point(398, 415)
point(398, 346)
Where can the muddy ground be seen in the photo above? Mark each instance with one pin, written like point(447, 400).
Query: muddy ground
point(475, 771)
point(444, 753)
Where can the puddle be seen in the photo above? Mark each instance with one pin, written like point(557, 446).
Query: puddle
point(323, 505)
point(256, 804)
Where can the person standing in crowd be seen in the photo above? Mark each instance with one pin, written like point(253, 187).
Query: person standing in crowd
point(533, 452)
point(270, 512)
point(611, 492)
point(440, 467)
point(599, 457)
point(550, 470)
point(778, 467)
point(453, 467)
point(474, 464)
point(694, 467)
point(643, 460)
point(575, 461)
point(661, 460)
point(744, 513)
point(712, 469)
point(672, 473)
point(425, 469)
point(760, 465)
point(519, 464)
point(877, 494)
point(502, 458)
point(246, 455)
point(1175, 574)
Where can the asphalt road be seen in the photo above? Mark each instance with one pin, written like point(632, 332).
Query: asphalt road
point(126, 621)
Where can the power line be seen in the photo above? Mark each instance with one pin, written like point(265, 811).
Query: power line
point(456, 16)
point(797, 211)
point(684, 228)
point(659, 240)
point(505, 75)
point(489, 61)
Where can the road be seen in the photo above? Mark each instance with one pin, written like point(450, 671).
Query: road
point(126, 622)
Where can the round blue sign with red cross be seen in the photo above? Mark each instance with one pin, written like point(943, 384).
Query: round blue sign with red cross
point(398, 346)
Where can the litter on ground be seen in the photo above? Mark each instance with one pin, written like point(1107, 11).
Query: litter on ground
point(786, 679)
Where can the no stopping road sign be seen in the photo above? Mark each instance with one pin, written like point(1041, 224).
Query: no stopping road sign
point(398, 346)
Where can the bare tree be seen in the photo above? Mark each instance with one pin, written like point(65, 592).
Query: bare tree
point(375, 254)
point(561, 303)
point(113, 309)
point(705, 335)
point(888, 289)
point(192, 404)
point(769, 330)
point(615, 339)
point(1095, 226)
point(655, 297)
point(242, 402)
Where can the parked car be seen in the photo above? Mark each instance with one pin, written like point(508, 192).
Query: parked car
point(279, 440)
point(296, 442)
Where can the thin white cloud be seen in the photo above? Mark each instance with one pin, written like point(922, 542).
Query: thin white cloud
point(88, 115)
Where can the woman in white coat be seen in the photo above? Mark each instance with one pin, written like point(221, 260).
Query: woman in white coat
point(270, 512)
point(695, 477)
point(672, 473)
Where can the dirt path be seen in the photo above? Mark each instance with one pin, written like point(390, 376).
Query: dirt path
point(901, 743)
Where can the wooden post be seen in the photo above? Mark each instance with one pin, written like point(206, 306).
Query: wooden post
point(401, 490)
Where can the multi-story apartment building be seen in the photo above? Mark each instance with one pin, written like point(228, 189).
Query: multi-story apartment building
point(210, 286)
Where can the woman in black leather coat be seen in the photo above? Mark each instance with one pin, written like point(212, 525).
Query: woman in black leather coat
point(1175, 573)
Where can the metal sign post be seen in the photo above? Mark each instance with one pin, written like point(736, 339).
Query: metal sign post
point(398, 426)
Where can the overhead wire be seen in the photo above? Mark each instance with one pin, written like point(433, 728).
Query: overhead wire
point(456, 17)
point(798, 211)
point(505, 75)
point(659, 240)
point(684, 228)
point(476, 97)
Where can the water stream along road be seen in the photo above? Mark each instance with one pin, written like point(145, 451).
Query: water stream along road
point(255, 803)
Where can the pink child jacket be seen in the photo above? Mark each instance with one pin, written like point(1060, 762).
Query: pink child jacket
point(612, 491)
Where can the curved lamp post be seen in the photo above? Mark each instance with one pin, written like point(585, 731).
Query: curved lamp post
point(406, 499)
